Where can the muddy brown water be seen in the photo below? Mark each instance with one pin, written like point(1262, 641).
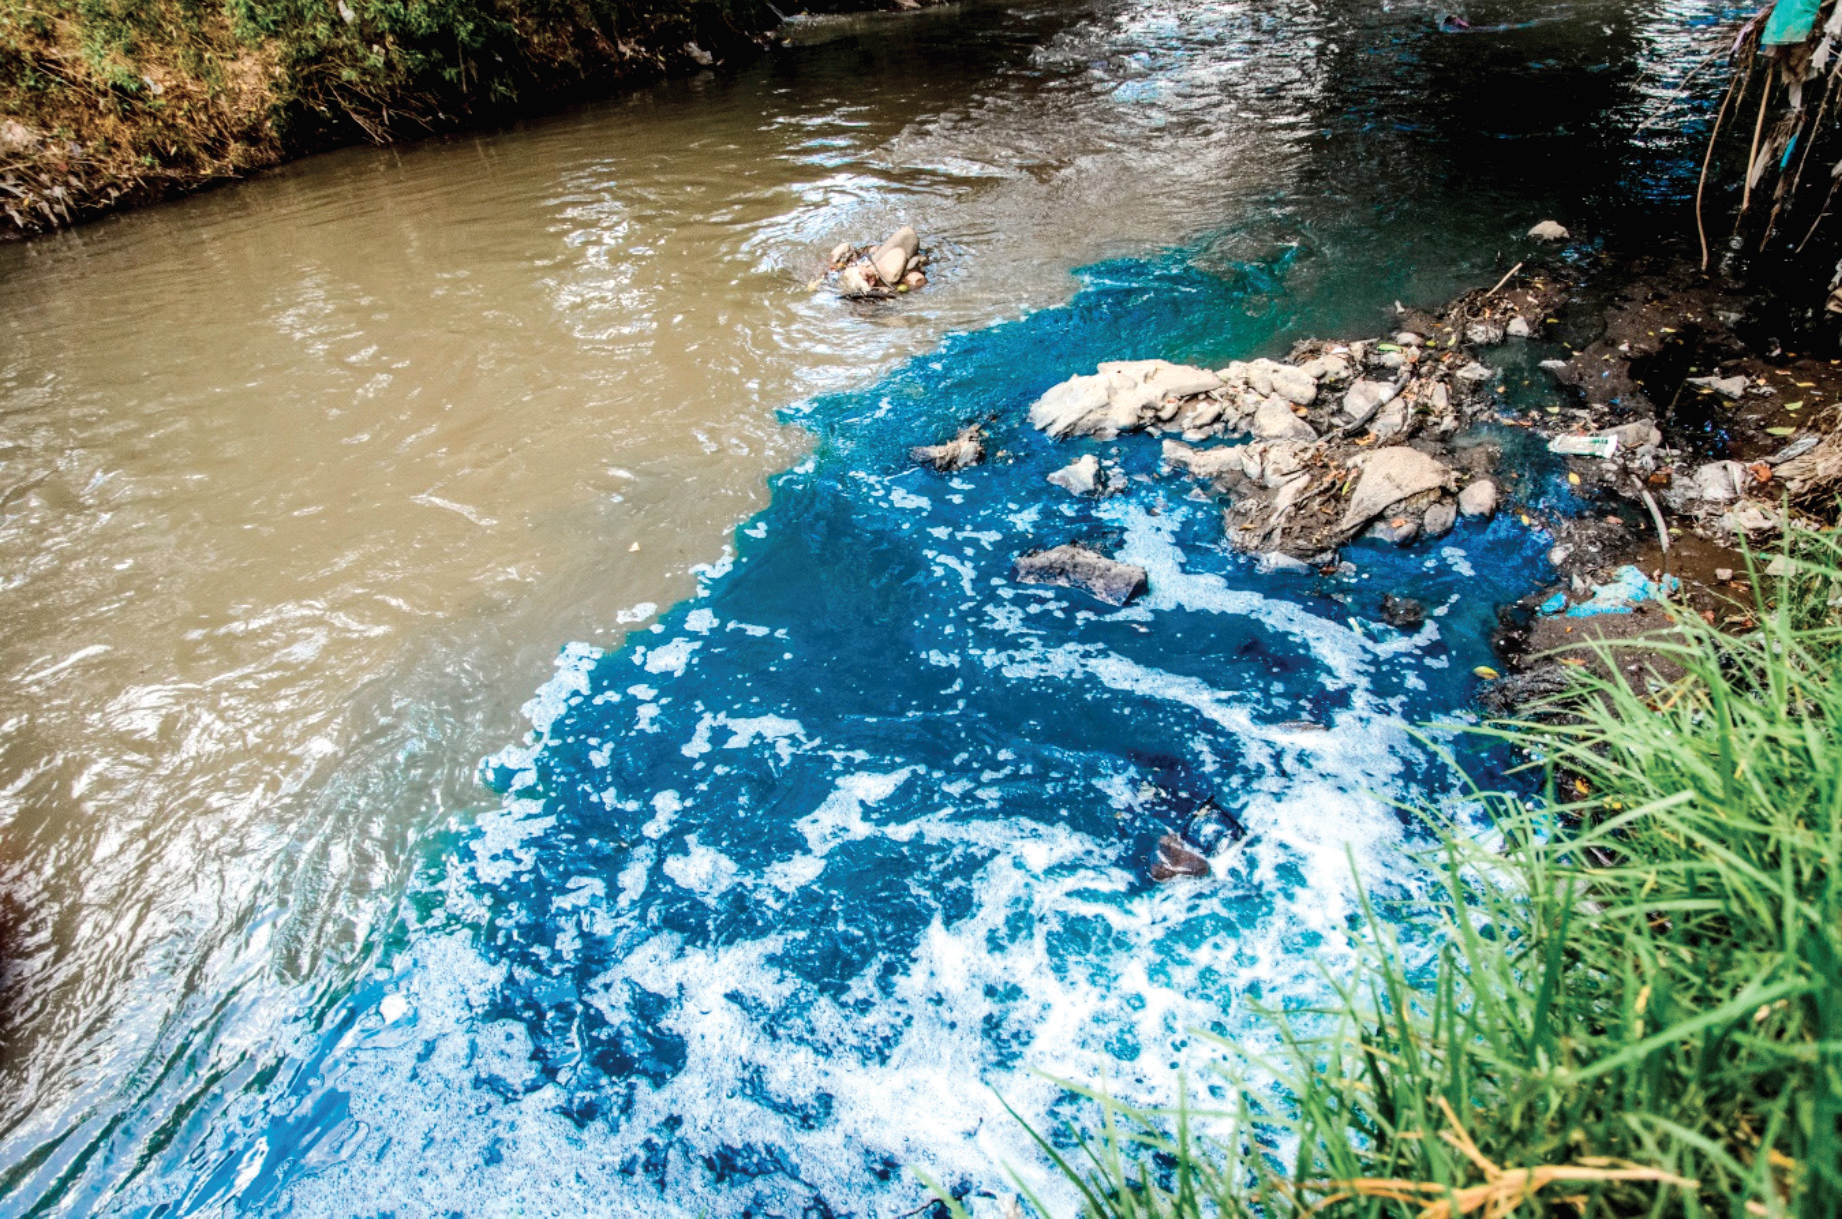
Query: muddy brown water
point(303, 483)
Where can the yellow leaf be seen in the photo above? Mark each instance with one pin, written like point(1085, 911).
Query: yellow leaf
point(1486, 672)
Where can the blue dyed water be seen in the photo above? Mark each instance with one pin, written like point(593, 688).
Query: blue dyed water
point(789, 890)
point(786, 893)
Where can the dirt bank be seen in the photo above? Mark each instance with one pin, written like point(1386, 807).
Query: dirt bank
point(108, 103)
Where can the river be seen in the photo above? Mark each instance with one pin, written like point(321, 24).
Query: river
point(817, 836)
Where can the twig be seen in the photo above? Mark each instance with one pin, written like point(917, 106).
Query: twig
point(1758, 129)
point(1700, 228)
point(1656, 517)
point(1501, 282)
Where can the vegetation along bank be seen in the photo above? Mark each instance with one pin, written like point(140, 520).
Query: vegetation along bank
point(108, 103)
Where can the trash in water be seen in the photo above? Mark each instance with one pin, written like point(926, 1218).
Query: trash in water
point(1626, 590)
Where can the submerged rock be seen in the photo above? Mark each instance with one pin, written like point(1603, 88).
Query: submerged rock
point(1175, 857)
point(1403, 613)
point(965, 449)
point(1076, 566)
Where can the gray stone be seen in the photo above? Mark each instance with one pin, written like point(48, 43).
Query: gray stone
point(1389, 476)
point(1549, 230)
point(1124, 396)
point(1204, 463)
point(1478, 499)
point(1275, 421)
point(1635, 435)
point(1295, 385)
point(1484, 333)
point(1475, 373)
point(1408, 338)
point(965, 449)
point(1518, 328)
point(1364, 398)
point(1439, 519)
point(1079, 477)
point(1069, 408)
point(1727, 387)
point(1400, 530)
point(1076, 566)
point(1390, 420)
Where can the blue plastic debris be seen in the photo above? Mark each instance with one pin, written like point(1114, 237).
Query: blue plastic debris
point(1627, 589)
point(1790, 22)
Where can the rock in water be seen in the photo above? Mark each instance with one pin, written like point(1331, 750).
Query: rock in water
point(1439, 519)
point(1123, 396)
point(1403, 613)
point(1549, 230)
point(891, 257)
point(965, 449)
point(1204, 463)
point(1075, 566)
point(1478, 499)
point(1080, 477)
point(1174, 858)
point(1389, 476)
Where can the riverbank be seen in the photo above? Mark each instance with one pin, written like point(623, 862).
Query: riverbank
point(105, 106)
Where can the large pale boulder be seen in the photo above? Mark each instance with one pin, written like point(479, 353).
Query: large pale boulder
point(1203, 463)
point(1389, 476)
point(1275, 421)
point(1123, 396)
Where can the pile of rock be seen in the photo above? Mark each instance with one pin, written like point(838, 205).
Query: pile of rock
point(878, 272)
point(1340, 436)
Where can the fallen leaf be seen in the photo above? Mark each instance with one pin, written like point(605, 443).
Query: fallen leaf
point(1486, 672)
point(1780, 431)
point(1573, 479)
point(1794, 406)
point(1761, 471)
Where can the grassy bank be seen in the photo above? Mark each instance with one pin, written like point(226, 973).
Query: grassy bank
point(1631, 1004)
point(105, 102)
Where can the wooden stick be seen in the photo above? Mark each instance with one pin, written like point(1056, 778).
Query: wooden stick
point(1501, 282)
point(1700, 228)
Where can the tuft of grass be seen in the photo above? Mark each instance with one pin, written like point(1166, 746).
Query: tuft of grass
point(1627, 1002)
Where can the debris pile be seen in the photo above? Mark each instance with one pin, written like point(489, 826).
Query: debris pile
point(880, 271)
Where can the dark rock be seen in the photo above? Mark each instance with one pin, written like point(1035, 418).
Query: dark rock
point(1175, 857)
point(1402, 612)
point(1510, 694)
point(1075, 566)
point(965, 449)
